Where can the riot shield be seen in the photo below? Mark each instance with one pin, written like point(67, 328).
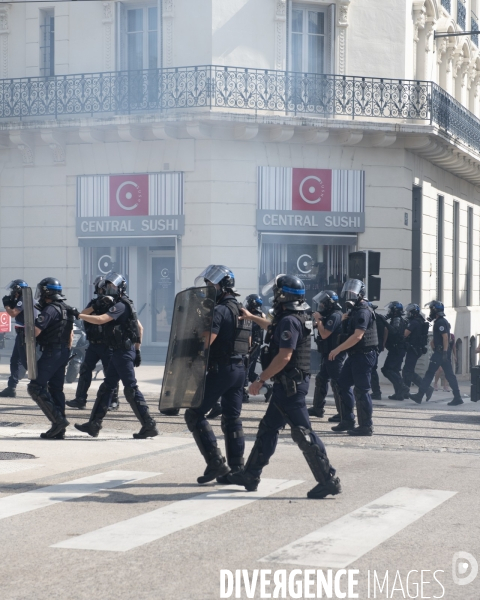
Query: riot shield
point(187, 358)
point(30, 338)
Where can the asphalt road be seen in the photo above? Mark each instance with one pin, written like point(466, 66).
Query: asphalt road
point(130, 520)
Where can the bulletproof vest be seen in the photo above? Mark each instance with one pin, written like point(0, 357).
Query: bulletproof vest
point(301, 355)
point(240, 341)
point(59, 332)
point(96, 333)
point(257, 331)
point(396, 339)
point(419, 338)
point(380, 321)
point(369, 340)
point(123, 335)
point(437, 334)
point(326, 346)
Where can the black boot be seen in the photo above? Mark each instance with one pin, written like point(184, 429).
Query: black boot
point(417, 397)
point(91, 427)
point(224, 479)
point(48, 436)
point(457, 400)
point(366, 430)
point(8, 392)
point(318, 408)
point(335, 419)
point(245, 479)
point(331, 488)
point(376, 396)
point(79, 403)
point(149, 429)
point(396, 397)
point(216, 467)
point(364, 418)
point(428, 393)
point(343, 426)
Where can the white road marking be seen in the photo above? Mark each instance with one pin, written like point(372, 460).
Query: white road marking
point(12, 466)
point(345, 540)
point(17, 504)
point(174, 517)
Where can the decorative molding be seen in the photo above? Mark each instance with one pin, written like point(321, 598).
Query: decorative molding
point(245, 132)
point(91, 135)
point(419, 19)
point(129, 133)
point(350, 138)
point(160, 131)
point(168, 16)
point(280, 34)
point(198, 131)
point(25, 145)
point(56, 143)
point(383, 140)
point(4, 33)
point(108, 20)
point(342, 24)
point(315, 137)
point(280, 134)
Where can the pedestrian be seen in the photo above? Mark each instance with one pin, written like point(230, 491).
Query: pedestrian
point(440, 356)
point(124, 335)
point(288, 339)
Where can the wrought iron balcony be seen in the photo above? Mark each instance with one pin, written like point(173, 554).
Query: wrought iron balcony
point(235, 89)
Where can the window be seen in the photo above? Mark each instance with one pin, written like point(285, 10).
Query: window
point(461, 14)
point(311, 39)
point(447, 4)
point(47, 43)
point(440, 247)
point(142, 38)
point(455, 253)
point(474, 27)
point(469, 256)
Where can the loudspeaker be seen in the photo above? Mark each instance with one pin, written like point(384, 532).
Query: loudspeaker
point(475, 387)
point(374, 287)
point(373, 263)
point(357, 263)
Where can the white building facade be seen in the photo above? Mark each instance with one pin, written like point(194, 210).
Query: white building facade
point(268, 135)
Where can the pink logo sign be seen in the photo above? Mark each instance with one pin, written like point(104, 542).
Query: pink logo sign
point(312, 189)
point(128, 195)
point(4, 322)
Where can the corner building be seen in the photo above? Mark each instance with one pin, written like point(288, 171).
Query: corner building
point(271, 136)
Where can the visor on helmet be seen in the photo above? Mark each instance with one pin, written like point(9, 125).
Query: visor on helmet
point(213, 274)
point(351, 289)
point(114, 278)
point(411, 307)
point(14, 283)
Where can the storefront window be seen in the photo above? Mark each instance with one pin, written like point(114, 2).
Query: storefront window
point(100, 261)
point(320, 266)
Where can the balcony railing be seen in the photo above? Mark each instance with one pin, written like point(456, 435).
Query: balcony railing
point(235, 89)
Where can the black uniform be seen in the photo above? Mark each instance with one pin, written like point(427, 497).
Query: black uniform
point(19, 356)
point(375, 381)
point(329, 369)
point(225, 380)
point(416, 344)
point(440, 358)
point(357, 369)
point(56, 323)
point(257, 338)
point(121, 335)
point(98, 349)
point(396, 353)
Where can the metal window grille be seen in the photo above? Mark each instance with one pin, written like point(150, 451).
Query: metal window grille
point(447, 5)
point(461, 14)
point(47, 45)
point(474, 27)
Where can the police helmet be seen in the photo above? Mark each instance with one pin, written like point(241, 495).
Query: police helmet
point(412, 310)
point(99, 285)
point(437, 309)
point(217, 274)
point(353, 290)
point(253, 302)
point(288, 292)
point(115, 284)
point(49, 287)
point(15, 286)
point(394, 309)
point(326, 302)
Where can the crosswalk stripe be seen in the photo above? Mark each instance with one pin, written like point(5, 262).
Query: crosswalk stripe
point(174, 517)
point(345, 540)
point(17, 504)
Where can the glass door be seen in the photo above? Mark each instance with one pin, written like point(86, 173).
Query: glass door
point(162, 295)
point(308, 40)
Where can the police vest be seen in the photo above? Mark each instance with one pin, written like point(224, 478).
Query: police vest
point(419, 338)
point(240, 340)
point(301, 355)
point(329, 344)
point(123, 335)
point(369, 340)
point(257, 331)
point(96, 333)
point(59, 332)
point(396, 338)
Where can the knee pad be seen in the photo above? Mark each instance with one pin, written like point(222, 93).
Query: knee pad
point(228, 427)
point(34, 390)
point(129, 393)
point(301, 436)
point(191, 419)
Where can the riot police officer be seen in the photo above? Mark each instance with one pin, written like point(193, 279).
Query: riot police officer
point(124, 335)
point(253, 303)
point(54, 333)
point(329, 325)
point(98, 348)
point(440, 356)
point(228, 345)
point(288, 359)
point(382, 337)
point(416, 340)
point(13, 304)
point(361, 345)
point(395, 345)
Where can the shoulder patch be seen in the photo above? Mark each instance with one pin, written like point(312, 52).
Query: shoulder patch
point(442, 328)
point(330, 322)
point(286, 335)
point(40, 318)
point(113, 309)
point(19, 303)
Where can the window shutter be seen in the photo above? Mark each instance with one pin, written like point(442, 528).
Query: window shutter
point(330, 39)
point(121, 36)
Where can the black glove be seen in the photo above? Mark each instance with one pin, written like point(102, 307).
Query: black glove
point(138, 358)
point(445, 356)
point(107, 301)
point(7, 301)
point(75, 313)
